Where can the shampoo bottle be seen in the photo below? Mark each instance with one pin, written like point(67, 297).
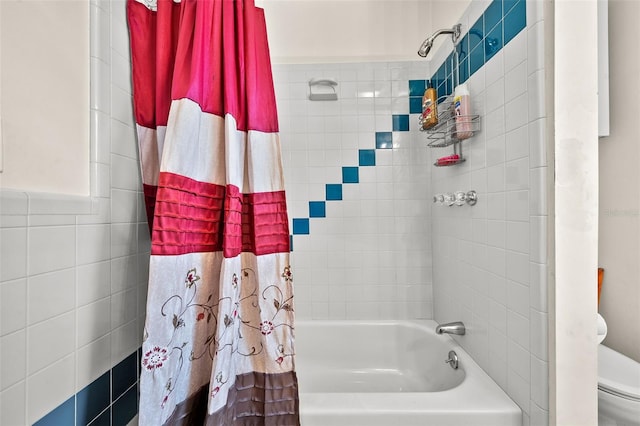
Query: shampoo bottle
point(429, 108)
point(462, 105)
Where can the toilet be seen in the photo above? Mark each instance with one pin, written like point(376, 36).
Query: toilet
point(618, 387)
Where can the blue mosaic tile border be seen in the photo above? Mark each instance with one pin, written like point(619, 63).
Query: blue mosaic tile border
point(501, 21)
point(110, 400)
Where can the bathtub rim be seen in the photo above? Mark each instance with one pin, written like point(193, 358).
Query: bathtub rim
point(477, 394)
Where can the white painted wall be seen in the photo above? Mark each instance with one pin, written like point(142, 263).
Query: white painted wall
point(45, 95)
point(619, 248)
point(573, 347)
point(311, 31)
point(74, 270)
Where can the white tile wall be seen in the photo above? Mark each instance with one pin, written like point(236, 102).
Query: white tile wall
point(92, 359)
point(45, 288)
point(93, 321)
point(506, 163)
point(49, 341)
point(13, 263)
point(73, 272)
point(13, 310)
point(13, 348)
point(50, 386)
point(370, 256)
point(50, 248)
point(12, 405)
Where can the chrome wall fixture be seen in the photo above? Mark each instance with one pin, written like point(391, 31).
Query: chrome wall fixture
point(426, 45)
point(459, 198)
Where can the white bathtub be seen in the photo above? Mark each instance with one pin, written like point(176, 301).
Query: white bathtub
point(392, 373)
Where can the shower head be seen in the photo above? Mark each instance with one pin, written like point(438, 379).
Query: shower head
point(428, 43)
point(426, 47)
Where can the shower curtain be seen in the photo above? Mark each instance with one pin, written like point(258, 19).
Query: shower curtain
point(218, 339)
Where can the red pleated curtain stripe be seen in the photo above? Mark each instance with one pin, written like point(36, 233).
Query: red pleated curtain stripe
point(221, 68)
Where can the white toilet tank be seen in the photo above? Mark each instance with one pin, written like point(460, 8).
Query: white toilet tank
point(618, 389)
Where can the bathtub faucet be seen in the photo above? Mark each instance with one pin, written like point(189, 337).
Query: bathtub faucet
point(451, 328)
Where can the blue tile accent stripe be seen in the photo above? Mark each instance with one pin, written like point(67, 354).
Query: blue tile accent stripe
point(93, 399)
point(333, 192)
point(501, 21)
point(400, 122)
point(415, 104)
point(367, 157)
point(317, 209)
point(515, 19)
point(97, 404)
point(125, 408)
point(492, 15)
point(493, 42)
point(64, 414)
point(350, 175)
point(300, 226)
point(417, 87)
point(103, 419)
point(498, 25)
point(125, 375)
point(384, 140)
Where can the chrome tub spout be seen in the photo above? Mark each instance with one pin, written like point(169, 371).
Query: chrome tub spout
point(451, 328)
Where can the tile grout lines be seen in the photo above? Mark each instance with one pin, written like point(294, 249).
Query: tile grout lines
point(500, 23)
point(366, 158)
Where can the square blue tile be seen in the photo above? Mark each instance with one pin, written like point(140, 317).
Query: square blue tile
point(417, 87)
point(103, 419)
point(493, 42)
point(384, 140)
point(492, 15)
point(476, 59)
point(63, 414)
point(442, 91)
point(367, 157)
point(317, 209)
point(93, 399)
point(350, 175)
point(124, 375)
point(334, 191)
point(300, 226)
point(125, 408)
point(476, 33)
point(515, 21)
point(415, 105)
point(401, 122)
point(507, 5)
point(441, 73)
point(464, 71)
point(447, 66)
point(463, 48)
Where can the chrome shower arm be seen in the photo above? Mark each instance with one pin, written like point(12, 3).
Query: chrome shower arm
point(428, 43)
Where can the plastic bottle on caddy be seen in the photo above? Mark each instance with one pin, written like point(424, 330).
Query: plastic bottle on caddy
point(429, 109)
point(462, 106)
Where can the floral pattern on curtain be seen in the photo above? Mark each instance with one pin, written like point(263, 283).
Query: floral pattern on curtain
point(218, 340)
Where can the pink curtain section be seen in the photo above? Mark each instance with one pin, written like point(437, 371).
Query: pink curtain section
point(218, 339)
